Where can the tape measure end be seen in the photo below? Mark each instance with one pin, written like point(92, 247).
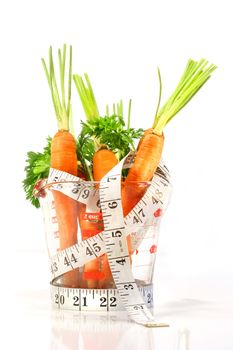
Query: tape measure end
point(156, 325)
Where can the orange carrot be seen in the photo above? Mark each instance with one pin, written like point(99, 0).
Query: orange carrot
point(64, 158)
point(103, 161)
point(63, 152)
point(96, 272)
point(147, 131)
point(147, 158)
point(151, 145)
point(141, 171)
point(90, 225)
point(145, 164)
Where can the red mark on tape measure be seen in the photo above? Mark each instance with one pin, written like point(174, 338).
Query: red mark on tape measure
point(153, 249)
point(91, 224)
point(93, 217)
point(157, 213)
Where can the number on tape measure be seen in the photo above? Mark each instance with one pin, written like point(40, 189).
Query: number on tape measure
point(66, 261)
point(76, 188)
point(96, 247)
point(113, 301)
point(112, 205)
point(121, 261)
point(141, 213)
point(135, 219)
point(73, 258)
point(128, 286)
point(76, 301)
point(94, 299)
point(85, 193)
point(116, 233)
point(89, 251)
point(59, 299)
point(103, 301)
point(54, 267)
point(154, 200)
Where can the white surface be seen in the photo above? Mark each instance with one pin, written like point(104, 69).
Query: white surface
point(120, 44)
point(199, 310)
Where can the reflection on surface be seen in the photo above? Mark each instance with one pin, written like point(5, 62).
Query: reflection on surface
point(89, 331)
point(183, 339)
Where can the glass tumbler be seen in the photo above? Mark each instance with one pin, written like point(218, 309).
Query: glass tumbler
point(69, 221)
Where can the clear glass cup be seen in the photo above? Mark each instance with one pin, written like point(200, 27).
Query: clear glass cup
point(68, 221)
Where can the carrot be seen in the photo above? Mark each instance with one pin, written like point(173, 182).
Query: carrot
point(63, 152)
point(64, 158)
point(146, 132)
point(145, 165)
point(91, 224)
point(150, 147)
point(104, 160)
point(109, 133)
point(147, 159)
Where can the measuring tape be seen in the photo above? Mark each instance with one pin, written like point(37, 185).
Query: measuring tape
point(83, 299)
point(117, 248)
point(128, 295)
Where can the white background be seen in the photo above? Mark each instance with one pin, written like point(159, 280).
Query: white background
point(120, 44)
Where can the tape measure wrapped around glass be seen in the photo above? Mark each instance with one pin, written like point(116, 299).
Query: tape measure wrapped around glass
point(129, 293)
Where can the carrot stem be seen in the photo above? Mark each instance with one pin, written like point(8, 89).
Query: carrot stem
point(86, 96)
point(160, 91)
point(195, 75)
point(129, 114)
point(62, 106)
point(62, 75)
point(69, 84)
point(107, 111)
point(54, 84)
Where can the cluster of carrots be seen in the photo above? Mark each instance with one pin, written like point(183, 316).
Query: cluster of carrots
point(97, 274)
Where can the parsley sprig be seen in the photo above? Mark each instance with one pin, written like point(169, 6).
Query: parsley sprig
point(111, 131)
point(37, 168)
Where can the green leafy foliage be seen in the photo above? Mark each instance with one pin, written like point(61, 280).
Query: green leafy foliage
point(37, 168)
point(85, 150)
point(112, 132)
point(102, 132)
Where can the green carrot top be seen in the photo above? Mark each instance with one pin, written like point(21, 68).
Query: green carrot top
point(62, 105)
point(109, 131)
point(193, 78)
